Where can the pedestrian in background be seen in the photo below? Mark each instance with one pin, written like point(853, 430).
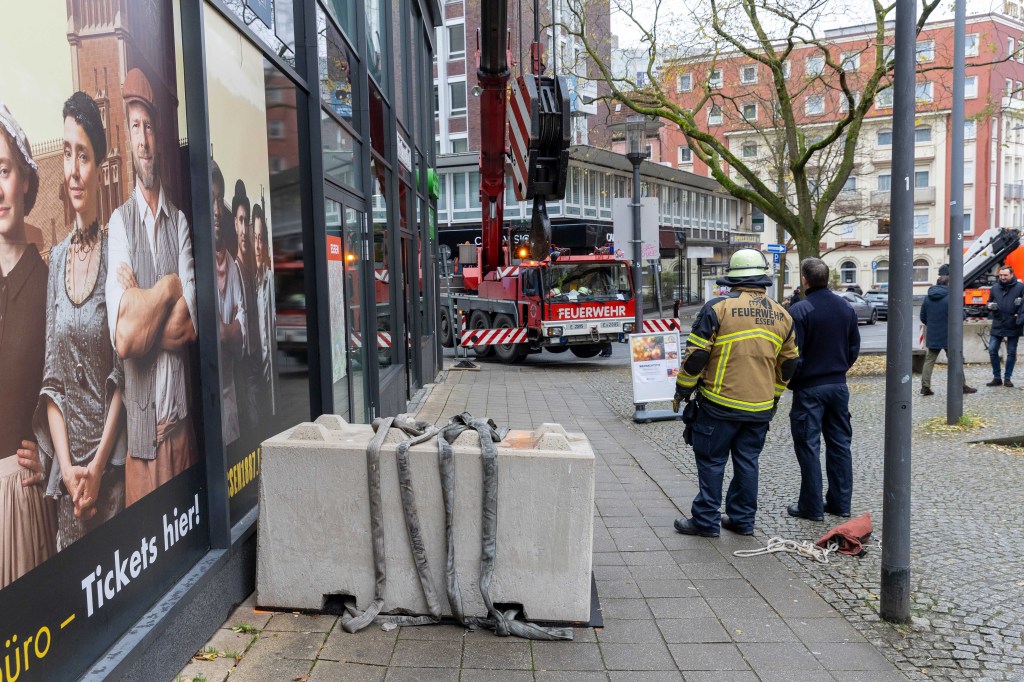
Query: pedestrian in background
point(934, 316)
point(829, 342)
point(1004, 303)
point(740, 355)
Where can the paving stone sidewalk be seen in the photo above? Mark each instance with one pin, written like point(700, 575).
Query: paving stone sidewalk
point(674, 607)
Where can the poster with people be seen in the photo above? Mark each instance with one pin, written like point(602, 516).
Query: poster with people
point(98, 439)
point(243, 253)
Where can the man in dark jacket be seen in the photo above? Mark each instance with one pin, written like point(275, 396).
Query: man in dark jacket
point(935, 316)
point(1004, 303)
point(829, 341)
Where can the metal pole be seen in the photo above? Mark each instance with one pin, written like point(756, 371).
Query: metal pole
point(895, 575)
point(780, 238)
point(656, 272)
point(955, 349)
point(638, 285)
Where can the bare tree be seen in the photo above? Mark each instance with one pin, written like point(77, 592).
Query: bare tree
point(801, 165)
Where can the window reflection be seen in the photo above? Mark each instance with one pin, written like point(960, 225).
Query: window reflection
point(337, 63)
point(381, 260)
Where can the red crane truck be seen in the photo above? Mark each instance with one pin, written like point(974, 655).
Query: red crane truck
point(555, 300)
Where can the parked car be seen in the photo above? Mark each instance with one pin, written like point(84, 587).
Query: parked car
point(865, 311)
point(879, 299)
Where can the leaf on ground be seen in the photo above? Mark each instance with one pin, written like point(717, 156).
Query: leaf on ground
point(206, 656)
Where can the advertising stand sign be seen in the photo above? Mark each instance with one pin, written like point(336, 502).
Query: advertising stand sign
point(654, 361)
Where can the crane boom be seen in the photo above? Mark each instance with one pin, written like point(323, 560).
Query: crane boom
point(492, 75)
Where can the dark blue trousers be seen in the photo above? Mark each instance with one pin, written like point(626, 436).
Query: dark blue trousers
point(823, 411)
point(713, 441)
point(1011, 354)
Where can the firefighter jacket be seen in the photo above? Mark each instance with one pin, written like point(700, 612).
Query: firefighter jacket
point(740, 355)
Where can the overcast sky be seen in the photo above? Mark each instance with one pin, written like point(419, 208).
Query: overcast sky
point(846, 12)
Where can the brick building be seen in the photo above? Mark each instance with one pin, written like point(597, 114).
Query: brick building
point(741, 109)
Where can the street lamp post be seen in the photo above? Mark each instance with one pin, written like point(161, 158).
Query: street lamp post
point(636, 128)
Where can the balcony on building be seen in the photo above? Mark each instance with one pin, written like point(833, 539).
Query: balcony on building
point(923, 196)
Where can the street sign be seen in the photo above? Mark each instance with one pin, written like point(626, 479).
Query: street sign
point(776, 248)
point(622, 227)
point(874, 265)
point(776, 258)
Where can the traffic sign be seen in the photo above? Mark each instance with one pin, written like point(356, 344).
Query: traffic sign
point(776, 258)
point(874, 265)
point(776, 248)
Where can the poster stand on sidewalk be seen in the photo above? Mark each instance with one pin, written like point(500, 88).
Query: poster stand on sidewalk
point(654, 362)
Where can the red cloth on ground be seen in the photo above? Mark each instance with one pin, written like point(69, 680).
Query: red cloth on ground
point(851, 535)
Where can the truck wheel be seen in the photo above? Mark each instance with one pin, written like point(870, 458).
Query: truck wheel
point(481, 320)
point(444, 329)
point(585, 351)
point(509, 352)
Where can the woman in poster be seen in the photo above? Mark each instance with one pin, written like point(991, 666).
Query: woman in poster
point(27, 518)
point(265, 307)
point(79, 420)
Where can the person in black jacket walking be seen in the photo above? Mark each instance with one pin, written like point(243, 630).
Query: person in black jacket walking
point(935, 316)
point(1005, 300)
point(829, 342)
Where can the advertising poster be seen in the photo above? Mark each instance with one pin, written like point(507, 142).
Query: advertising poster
point(100, 477)
point(339, 337)
point(243, 242)
point(654, 360)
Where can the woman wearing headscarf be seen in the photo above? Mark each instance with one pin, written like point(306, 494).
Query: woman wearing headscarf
point(79, 421)
point(27, 518)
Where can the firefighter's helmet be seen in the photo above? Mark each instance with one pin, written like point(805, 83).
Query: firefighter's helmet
point(747, 263)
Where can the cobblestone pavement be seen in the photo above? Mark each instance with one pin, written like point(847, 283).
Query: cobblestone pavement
point(967, 571)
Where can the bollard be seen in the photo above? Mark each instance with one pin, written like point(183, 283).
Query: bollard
point(314, 526)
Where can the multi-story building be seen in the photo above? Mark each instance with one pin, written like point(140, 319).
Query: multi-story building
point(741, 110)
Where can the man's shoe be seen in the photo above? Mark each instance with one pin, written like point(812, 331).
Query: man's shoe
point(968, 389)
point(1007, 383)
point(995, 382)
point(734, 527)
point(794, 510)
point(686, 527)
point(829, 510)
point(927, 391)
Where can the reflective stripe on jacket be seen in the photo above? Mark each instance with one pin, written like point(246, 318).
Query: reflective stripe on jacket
point(748, 336)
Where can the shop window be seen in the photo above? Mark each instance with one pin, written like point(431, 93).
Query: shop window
point(341, 153)
point(377, 50)
point(344, 12)
point(262, 308)
point(337, 62)
point(273, 24)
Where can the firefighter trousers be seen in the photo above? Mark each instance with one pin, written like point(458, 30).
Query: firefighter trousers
point(714, 440)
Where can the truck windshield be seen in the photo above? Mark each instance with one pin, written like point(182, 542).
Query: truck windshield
point(588, 282)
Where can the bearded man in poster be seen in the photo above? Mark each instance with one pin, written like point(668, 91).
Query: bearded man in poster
point(151, 304)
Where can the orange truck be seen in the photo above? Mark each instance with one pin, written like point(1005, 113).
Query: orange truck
point(993, 248)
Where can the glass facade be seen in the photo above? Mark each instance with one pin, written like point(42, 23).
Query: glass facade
point(287, 271)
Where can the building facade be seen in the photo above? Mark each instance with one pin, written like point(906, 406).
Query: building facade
point(856, 243)
point(249, 184)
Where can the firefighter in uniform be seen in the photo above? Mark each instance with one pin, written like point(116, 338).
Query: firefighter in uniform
point(740, 355)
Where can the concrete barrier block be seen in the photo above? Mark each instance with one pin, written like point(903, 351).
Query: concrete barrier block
point(314, 524)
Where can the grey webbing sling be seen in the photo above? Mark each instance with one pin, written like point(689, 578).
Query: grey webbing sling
point(503, 624)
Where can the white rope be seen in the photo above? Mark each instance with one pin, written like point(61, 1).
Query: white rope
point(804, 548)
